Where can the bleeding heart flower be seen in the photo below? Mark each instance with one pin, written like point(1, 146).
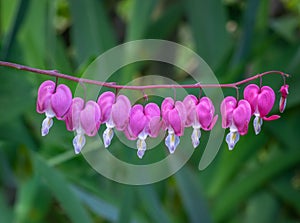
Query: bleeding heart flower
point(143, 122)
point(174, 117)
point(236, 117)
point(284, 90)
point(84, 118)
point(200, 114)
point(54, 102)
point(261, 101)
point(115, 114)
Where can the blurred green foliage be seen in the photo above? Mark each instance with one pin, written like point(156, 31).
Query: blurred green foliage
point(41, 180)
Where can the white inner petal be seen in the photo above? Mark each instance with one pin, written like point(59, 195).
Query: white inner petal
point(46, 125)
point(172, 141)
point(108, 134)
point(257, 123)
point(141, 146)
point(78, 143)
point(196, 137)
point(232, 138)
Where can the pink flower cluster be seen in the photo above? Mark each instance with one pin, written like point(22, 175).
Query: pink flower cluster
point(138, 121)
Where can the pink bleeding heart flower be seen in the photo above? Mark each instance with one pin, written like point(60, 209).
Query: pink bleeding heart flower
point(200, 114)
point(143, 122)
point(174, 117)
point(84, 119)
point(54, 102)
point(261, 101)
point(235, 116)
point(114, 113)
point(284, 90)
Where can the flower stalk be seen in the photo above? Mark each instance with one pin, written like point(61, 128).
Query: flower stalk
point(137, 122)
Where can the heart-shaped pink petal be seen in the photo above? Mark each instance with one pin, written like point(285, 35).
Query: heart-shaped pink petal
point(152, 110)
point(251, 94)
point(166, 106)
point(61, 100)
point(227, 107)
point(45, 92)
point(137, 120)
point(90, 118)
point(265, 101)
point(176, 118)
point(241, 116)
point(154, 124)
point(105, 102)
point(190, 102)
point(205, 112)
point(120, 112)
point(73, 116)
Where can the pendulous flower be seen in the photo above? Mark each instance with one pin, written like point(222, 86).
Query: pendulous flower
point(84, 119)
point(284, 90)
point(200, 115)
point(235, 116)
point(114, 113)
point(261, 101)
point(54, 102)
point(174, 117)
point(143, 122)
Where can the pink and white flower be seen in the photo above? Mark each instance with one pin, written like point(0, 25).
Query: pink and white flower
point(54, 102)
point(235, 116)
point(114, 113)
point(284, 90)
point(143, 122)
point(174, 117)
point(261, 101)
point(200, 115)
point(84, 119)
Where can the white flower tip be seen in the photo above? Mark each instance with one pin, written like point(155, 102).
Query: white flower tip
point(196, 137)
point(142, 147)
point(44, 132)
point(172, 141)
point(108, 134)
point(46, 125)
point(78, 143)
point(257, 123)
point(232, 138)
point(140, 153)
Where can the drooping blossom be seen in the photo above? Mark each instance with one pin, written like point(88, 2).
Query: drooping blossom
point(84, 119)
point(174, 117)
point(114, 113)
point(235, 116)
point(284, 90)
point(200, 115)
point(261, 101)
point(54, 102)
point(143, 122)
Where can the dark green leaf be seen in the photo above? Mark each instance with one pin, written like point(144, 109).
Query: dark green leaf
point(61, 191)
point(91, 31)
point(192, 197)
point(210, 36)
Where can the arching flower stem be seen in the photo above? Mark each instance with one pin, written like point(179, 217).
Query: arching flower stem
point(57, 74)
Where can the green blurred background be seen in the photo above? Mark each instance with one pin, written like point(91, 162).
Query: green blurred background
point(41, 180)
